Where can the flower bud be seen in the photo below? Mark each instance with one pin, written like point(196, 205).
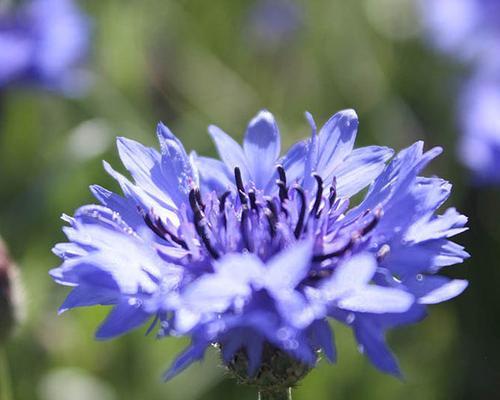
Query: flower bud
point(10, 294)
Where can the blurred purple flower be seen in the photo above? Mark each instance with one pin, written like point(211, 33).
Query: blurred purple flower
point(465, 29)
point(480, 118)
point(469, 30)
point(44, 43)
point(259, 249)
point(273, 23)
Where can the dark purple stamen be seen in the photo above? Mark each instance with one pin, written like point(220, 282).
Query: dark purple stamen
point(319, 195)
point(271, 213)
point(281, 182)
point(239, 185)
point(199, 200)
point(201, 224)
point(302, 213)
point(160, 229)
point(373, 223)
point(253, 200)
point(222, 207)
point(338, 253)
point(222, 201)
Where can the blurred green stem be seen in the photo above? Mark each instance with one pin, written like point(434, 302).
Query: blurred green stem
point(5, 384)
point(285, 394)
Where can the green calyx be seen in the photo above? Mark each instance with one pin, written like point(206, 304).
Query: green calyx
point(277, 373)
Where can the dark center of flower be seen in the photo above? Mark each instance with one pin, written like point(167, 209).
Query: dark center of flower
point(251, 221)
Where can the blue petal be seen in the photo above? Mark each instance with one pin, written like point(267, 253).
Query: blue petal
point(115, 251)
point(311, 161)
point(234, 342)
point(82, 296)
point(293, 308)
point(229, 151)
point(254, 345)
point(434, 289)
point(335, 141)
point(144, 164)
point(438, 227)
point(322, 337)
point(289, 267)
point(193, 353)
point(311, 122)
point(123, 318)
point(74, 272)
point(293, 162)
point(429, 256)
point(123, 206)
point(215, 293)
point(68, 250)
point(163, 206)
point(360, 169)
point(371, 339)
point(179, 175)
point(375, 299)
point(214, 175)
point(262, 147)
point(397, 178)
point(353, 274)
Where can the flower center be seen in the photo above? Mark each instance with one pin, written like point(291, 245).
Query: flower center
point(251, 221)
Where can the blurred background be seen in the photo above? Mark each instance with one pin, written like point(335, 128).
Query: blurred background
point(190, 63)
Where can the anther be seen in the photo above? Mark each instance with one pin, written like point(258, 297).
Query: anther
point(199, 200)
point(338, 253)
point(281, 182)
point(253, 200)
point(302, 213)
point(222, 207)
point(373, 223)
point(281, 173)
point(172, 237)
point(200, 224)
point(383, 251)
point(152, 226)
point(283, 191)
point(222, 201)
point(239, 185)
point(160, 229)
point(319, 194)
point(271, 213)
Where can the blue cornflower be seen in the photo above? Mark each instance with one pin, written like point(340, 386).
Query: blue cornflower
point(44, 43)
point(479, 105)
point(465, 29)
point(272, 24)
point(256, 252)
point(469, 30)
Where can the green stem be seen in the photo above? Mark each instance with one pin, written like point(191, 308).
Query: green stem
point(5, 383)
point(284, 394)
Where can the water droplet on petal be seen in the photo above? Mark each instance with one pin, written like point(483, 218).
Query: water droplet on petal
point(164, 324)
point(283, 334)
point(350, 318)
point(361, 348)
point(420, 277)
point(133, 301)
